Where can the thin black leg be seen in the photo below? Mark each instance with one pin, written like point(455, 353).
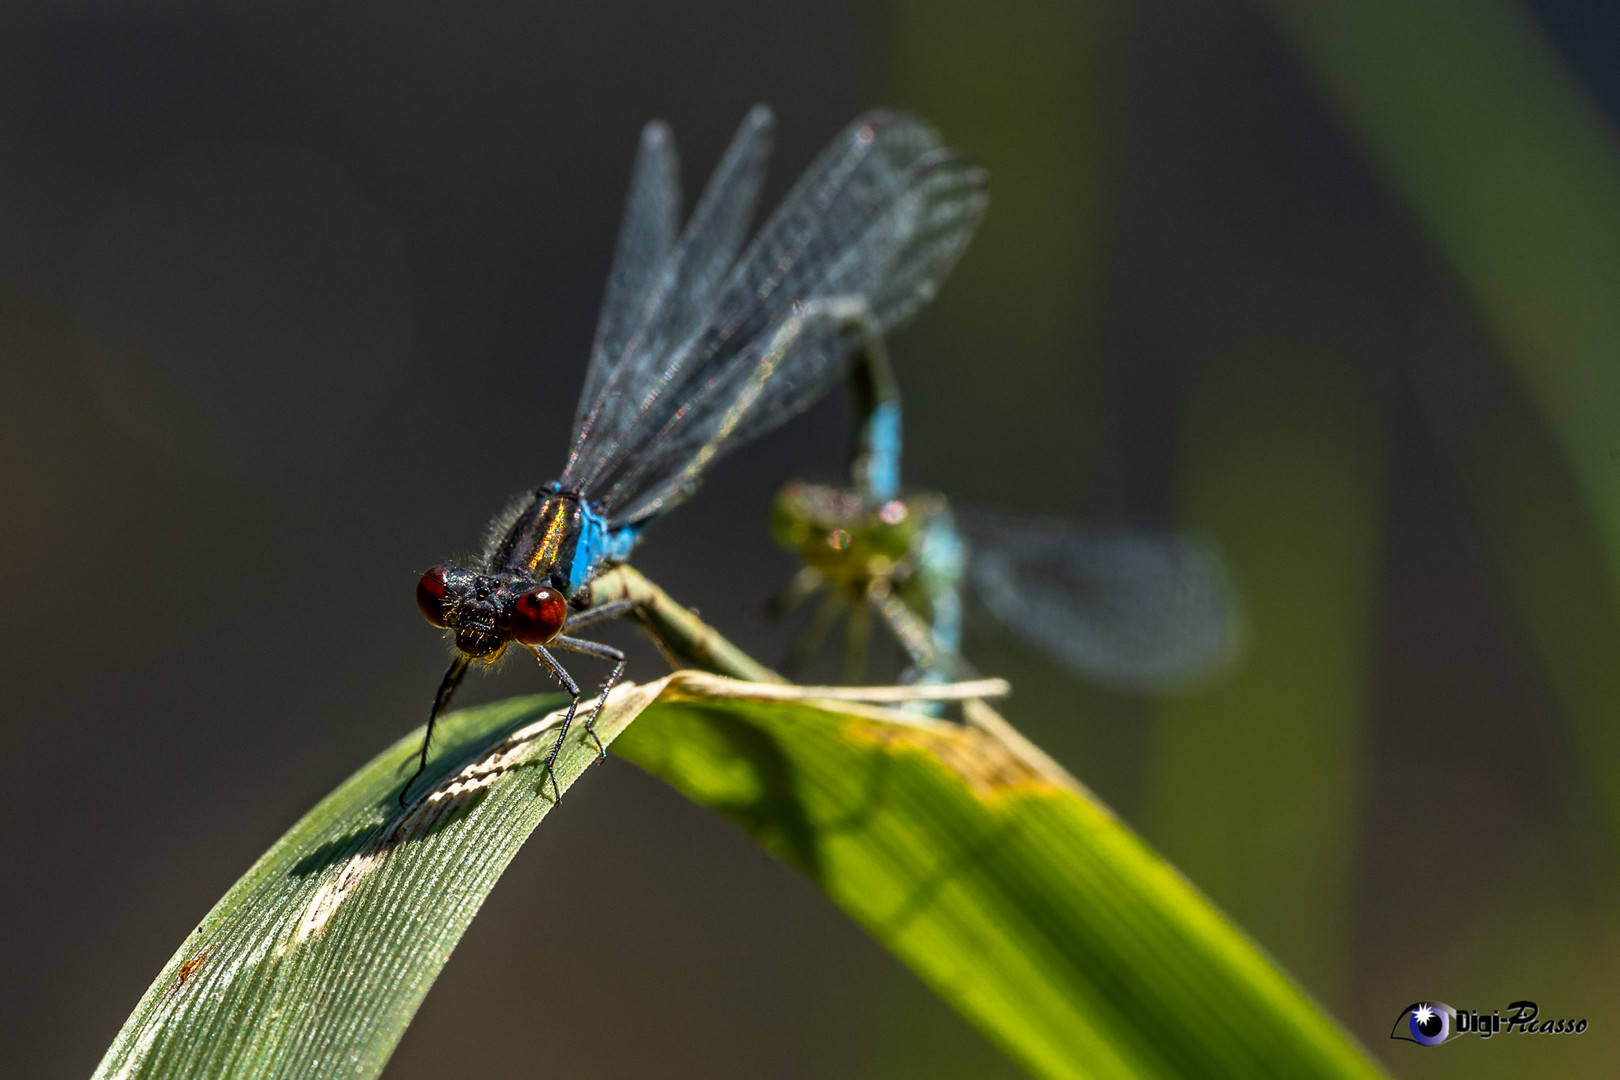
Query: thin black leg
point(441, 701)
point(808, 642)
point(681, 637)
point(857, 640)
point(590, 616)
point(805, 584)
point(572, 687)
point(606, 652)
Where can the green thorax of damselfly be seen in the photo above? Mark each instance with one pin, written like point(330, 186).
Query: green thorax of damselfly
point(903, 545)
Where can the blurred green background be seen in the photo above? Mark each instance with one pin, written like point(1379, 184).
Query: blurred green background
point(293, 296)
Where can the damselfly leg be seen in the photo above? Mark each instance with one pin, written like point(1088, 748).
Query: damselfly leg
point(441, 701)
point(807, 582)
point(590, 648)
point(676, 629)
point(683, 639)
point(809, 640)
point(458, 670)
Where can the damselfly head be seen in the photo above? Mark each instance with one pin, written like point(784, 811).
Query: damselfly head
point(848, 536)
point(485, 611)
point(805, 517)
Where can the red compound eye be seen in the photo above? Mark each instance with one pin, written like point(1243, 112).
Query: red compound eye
point(538, 615)
point(430, 597)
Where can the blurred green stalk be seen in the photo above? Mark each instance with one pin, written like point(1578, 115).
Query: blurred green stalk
point(1257, 782)
point(1514, 178)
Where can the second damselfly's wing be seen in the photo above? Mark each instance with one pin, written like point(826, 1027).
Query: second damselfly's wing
point(1135, 610)
point(877, 220)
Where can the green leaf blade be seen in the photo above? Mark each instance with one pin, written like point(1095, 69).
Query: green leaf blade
point(1023, 902)
point(314, 962)
point(1005, 885)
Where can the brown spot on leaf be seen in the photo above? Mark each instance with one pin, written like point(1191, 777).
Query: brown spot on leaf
point(192, 965)
point(188, 968)
point(986, 764)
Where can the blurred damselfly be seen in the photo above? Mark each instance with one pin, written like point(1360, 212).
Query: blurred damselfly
point(1136, 610)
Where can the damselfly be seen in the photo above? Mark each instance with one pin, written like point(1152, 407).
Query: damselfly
point(1136, 610)
point(697, 350)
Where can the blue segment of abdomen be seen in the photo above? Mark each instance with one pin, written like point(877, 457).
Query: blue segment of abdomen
point(883, 441)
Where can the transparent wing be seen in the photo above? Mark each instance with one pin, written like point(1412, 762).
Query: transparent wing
point(716, 233)
point(1135, 610)
point(894, 269)
point(778, 371)
point(652, 214)
point(678, 286)
point(875, 224)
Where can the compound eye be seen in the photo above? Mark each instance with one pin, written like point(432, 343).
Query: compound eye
point(430, 597)
point(538, 616)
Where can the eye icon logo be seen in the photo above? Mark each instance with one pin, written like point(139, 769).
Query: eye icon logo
point(1428, 1023)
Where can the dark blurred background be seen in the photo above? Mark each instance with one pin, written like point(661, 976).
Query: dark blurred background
point(293, 296)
